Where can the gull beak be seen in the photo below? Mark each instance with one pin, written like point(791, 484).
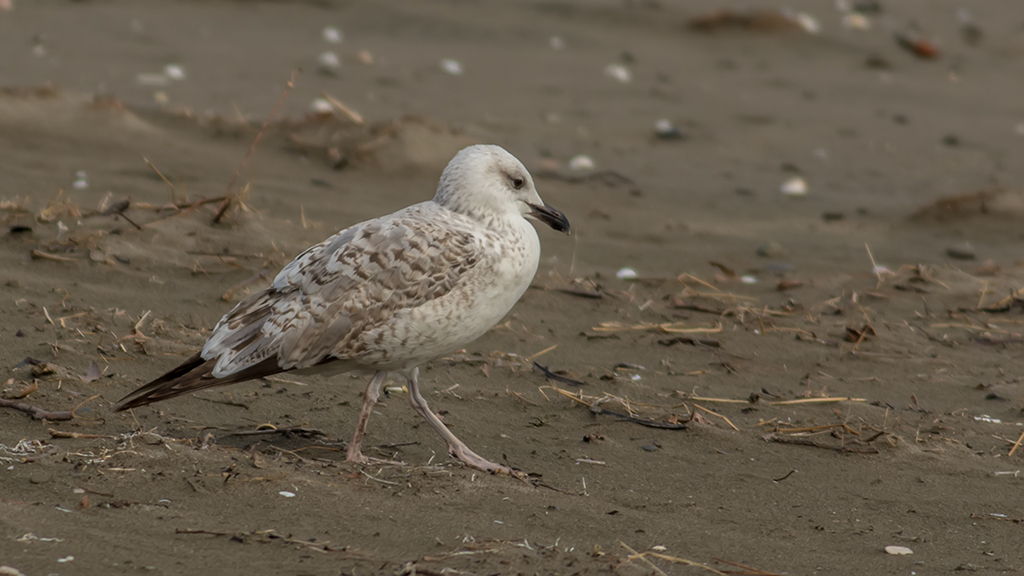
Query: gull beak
point(551, 216)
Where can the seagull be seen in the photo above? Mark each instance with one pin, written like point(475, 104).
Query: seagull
point(386, 295)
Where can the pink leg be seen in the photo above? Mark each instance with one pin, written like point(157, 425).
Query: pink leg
point(456, 447)
point(354, 452)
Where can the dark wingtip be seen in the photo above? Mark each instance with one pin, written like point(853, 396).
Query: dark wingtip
point(192, 375)
point(166, 386)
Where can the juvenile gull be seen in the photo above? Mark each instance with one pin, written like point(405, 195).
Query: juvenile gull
point(386, 295)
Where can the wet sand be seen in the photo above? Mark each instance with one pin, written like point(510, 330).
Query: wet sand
point(860, 388)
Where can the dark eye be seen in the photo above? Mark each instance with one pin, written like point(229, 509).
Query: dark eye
point(517, 182)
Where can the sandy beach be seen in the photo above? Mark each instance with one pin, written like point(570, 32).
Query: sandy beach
point(786, 335)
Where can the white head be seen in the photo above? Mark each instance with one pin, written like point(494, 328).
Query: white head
point(485, 182)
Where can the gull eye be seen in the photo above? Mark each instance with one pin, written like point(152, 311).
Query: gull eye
point(517, 182)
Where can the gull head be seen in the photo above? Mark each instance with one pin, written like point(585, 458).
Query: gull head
point(486, 182)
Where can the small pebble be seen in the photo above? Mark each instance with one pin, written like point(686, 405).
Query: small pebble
point(333, 35)
point(665, 130)
point(40, 478)
point(81, 180)
point(174, 72)
point(321, 106)
point(808, 23)
point(778, 267)
point(287, 494)
point(794, 187)
point(898, 550)
point(877, 62)
point(581, 162)
point(856, 21)
point(650, 447)
point(748, 279)
point(626, 274)
point(65, 559)
point(328, 61)
point(961, 252)
point(10, 571)
point(618, 72)
point(771, 250)
point(450, 66)
point(364, 57)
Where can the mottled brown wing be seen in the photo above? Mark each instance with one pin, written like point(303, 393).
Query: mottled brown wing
point(321, 302)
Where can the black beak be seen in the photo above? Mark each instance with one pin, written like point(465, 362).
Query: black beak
point(550, 216)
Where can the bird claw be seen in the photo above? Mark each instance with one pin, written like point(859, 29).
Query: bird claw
point(474, 460)
point(360, 458)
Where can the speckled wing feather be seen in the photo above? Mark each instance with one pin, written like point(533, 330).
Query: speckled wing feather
point(322, 303)
point(334, 302)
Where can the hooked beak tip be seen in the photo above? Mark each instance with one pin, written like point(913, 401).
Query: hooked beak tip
point(551, 216)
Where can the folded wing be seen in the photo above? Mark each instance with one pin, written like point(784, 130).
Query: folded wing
point(321, 306)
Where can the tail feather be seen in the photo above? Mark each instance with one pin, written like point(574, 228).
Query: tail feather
point(192, 375)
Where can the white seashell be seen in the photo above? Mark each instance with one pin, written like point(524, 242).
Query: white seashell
point(328, 60)
point(618, 72)
point(364, 57)
point(450, 66)
point(658, 548)
point(794, 187)
point(333, 35)
point(287, 494)
point(581, 162)
point(898, 550)
point(626, 274)
point(808, 23)
point(666, 130)
point(81, 180)
point(856, 21)
point(174, 72)
point(748, 279)
point(321, 106)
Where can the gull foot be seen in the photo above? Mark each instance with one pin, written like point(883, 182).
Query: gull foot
point(359, 458)
point(474, 460)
